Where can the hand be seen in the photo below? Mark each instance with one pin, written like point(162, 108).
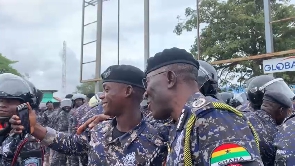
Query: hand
point(90, 123)
point(16, 122)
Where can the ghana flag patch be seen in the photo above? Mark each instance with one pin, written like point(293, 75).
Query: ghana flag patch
point(229, 153)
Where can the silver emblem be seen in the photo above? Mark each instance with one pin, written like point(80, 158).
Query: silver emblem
point(198, 103)
point(106, 74)
point(32, 161)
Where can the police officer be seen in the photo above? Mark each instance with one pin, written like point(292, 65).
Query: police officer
point(80, 112)
point(263, 83)
point(246, 106)
point(207, 79)
point(205, 131)
point(124, 140)
point(78, 101)
point(274, 109)
point(16, 150)
point(62, 126)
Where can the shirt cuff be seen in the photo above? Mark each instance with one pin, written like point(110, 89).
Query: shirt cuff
point(49, 137)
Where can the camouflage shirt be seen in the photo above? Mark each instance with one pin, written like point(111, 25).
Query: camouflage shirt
point(136, 147)
point(81, 112)
point(73, 123)
point(266, 128)
point(62, 123)
point(218, 137)
point(32, 149)
point(285, 143)
point(90, 113)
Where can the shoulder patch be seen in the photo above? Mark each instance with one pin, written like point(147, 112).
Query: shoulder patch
point(229, 153)
point(199, 103)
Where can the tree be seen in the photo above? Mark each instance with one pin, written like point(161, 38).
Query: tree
point(235, 28)
point(5, 66)
point(86, 88)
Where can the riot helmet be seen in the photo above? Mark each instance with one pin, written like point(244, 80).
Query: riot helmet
point(242, 97)
point(226, 96)
point(16, 87)
point(78, 96)
point(95, 100)
point(247, 84)
point(207, 79)
point(260, 84)
point(66, 104)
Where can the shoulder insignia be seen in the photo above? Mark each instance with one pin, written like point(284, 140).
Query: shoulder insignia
point(200, 102)
point(229, 153)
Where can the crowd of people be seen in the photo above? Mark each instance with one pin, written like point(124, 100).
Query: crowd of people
point(170, 114)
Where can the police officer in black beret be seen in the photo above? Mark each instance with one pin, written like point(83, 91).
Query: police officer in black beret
point(126, 139)
point(201, 125)
point(274, 109)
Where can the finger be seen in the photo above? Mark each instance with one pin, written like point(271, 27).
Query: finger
point(17, 127)
point(29, 107)
point(16, 131)
point(15, 121)
point(84, 126)
point(98, 119)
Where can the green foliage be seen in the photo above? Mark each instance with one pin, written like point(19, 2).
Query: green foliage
point(235, 28)
point(86, 88)
point(5, 66)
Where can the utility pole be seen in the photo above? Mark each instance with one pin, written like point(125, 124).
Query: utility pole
point(198, 29)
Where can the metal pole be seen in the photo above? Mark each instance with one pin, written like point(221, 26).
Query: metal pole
point(82, 41)
point(268, 27)
point(118, 32)
point(98, 44)
point(198, 30)
point(146, 31)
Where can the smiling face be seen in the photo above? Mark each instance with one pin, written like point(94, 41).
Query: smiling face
point(157, 93)
point(112, 98)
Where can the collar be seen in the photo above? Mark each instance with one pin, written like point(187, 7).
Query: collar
point(126, 139)
point(186, 111)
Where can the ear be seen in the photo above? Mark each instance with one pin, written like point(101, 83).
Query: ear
point(128, 91)
point(171, 79)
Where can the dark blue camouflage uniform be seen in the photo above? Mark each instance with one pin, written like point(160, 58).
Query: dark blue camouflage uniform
point(90, 113)
point(136, 147)
point(246, 107)
point(11, 144)
point(73, 123)
point(285, 143)
point(61, 126)
point(213, 128)
point(80, 113)
point(266, 128)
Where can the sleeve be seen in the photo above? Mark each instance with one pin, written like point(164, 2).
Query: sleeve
point(285, 143)
point(69, 144)
point(221, 137)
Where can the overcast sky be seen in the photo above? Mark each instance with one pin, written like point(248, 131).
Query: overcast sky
point(32, 32)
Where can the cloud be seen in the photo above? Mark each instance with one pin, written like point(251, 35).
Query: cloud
point(32, 32)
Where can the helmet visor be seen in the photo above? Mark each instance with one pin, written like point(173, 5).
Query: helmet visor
point(242, 98)
point(203, 76)
point(13, 88)
point(282, 87)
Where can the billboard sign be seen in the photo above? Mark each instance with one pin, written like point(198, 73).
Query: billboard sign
point(279, 65)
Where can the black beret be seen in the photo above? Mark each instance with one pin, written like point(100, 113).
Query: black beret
point(69, 96)
point(48, 102)
point(125, 74)
point(168, 57)
point(278, 98)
